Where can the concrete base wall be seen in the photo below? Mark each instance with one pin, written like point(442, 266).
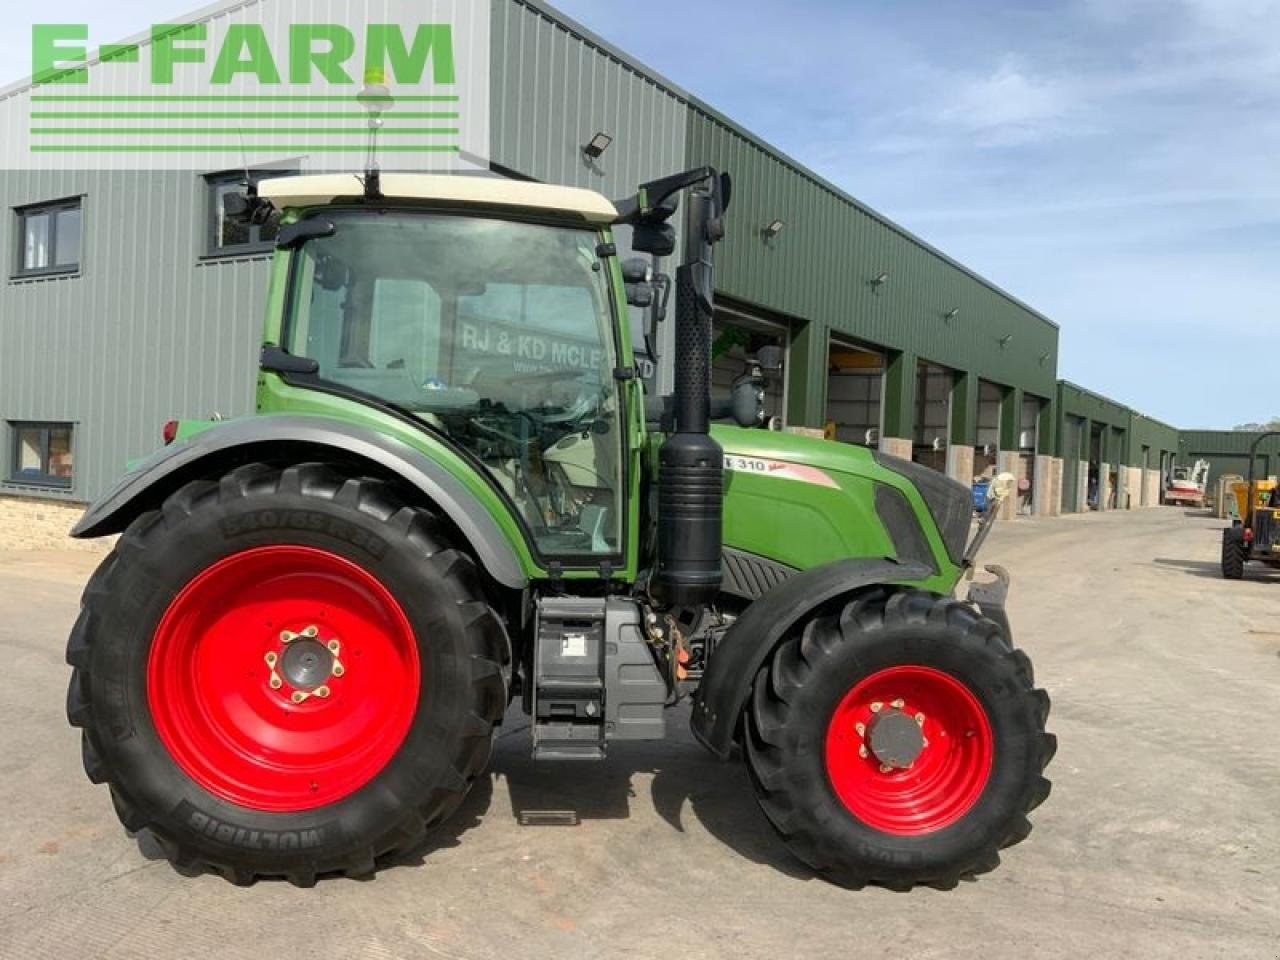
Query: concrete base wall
point(960, 464)
point(1042, 487)
point(1133, 487)
point(1082, 485)
point(1055, 507)
point(896, 447)
point(1152, 483)
point(1009, 463)
point(1104, 486)
point(32, 524)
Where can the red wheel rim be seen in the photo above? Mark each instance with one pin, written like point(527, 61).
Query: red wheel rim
point(949, 773)
point(269, 727)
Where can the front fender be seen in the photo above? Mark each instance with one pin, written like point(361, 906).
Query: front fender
point(310, 437)
point(740, 655)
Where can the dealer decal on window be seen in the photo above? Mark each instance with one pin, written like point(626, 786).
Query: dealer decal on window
point(778, 468)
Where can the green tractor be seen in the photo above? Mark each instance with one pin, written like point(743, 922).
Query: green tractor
point(455, 495)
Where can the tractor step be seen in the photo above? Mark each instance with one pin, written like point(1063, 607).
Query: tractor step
point(568, 679)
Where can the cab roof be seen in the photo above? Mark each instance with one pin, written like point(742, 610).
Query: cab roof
point(319, 190)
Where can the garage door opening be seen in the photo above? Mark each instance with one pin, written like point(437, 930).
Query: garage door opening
point(1095, 467)
point(1028, 440)
point(933, 415)
point(737, 334)
point(986, 450)
point(855, 386)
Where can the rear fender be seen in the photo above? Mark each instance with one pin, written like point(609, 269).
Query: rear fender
point(299, 438)
point(752, 638)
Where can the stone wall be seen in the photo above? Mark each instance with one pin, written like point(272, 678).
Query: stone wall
point(960, 463)
point(896, 447)
point(27, 523)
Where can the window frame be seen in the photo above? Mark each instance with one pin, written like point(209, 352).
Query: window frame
point(256, 245)
point(43, 480)
point(50, 208)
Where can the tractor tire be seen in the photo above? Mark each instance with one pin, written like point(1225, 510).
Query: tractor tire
point(901, 742)
point(288, 673)
point(1232, 557)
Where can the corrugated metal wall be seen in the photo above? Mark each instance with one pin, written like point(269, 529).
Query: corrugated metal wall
point(555, 86)
point(146, 331)
point(1228, 452)
point(821, 266)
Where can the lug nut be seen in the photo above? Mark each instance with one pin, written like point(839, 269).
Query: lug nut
point(885, 768)
point(861, 728)
point(339, 669)
point(321, 691)
point(271, 659)
point(311, 631)
point(920, 719)
point(862, 751)
point(898, 704)
point(298, 696)
point(334, 646)
point(877, 706)
point(276, 683)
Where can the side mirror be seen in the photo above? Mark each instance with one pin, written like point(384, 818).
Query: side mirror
point(247, 208)
point(658, 239)
point(747, 404)
point(769, 359)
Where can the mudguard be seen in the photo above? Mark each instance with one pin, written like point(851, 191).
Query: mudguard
point(739, 656)
point(310, 437)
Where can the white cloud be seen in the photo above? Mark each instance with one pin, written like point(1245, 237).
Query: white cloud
point(1010, 105)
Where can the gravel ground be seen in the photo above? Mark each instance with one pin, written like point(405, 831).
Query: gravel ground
point(1161, 837)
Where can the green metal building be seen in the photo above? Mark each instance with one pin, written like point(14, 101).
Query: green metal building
point(889, 342)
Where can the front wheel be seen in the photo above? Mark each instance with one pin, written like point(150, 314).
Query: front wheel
point(1232, 557)
point(901, 742)
point(286, 673)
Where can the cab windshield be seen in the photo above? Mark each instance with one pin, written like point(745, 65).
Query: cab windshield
point(496, 334)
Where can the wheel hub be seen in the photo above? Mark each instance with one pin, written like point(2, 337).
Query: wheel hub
point(895, 739)
point(306, 664)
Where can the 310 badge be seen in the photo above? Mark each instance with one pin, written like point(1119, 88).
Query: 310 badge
point(778, 468)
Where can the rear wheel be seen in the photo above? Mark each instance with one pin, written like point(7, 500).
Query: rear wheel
point(1232, 557)
point(899, 743)
point(286, 673)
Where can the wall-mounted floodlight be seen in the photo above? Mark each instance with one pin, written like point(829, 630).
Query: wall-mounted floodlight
point(596, 146)
point(880, 280)
point(1004, 341)
point(951, 314)
point(772, 229)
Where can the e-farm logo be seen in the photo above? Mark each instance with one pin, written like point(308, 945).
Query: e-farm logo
point(268, 81)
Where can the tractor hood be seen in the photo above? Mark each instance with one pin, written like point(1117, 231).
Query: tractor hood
point(803, 502)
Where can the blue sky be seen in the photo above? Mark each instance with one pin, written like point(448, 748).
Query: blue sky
point(1111, 162)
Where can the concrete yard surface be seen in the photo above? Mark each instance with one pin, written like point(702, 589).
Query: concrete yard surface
point(1161, 837)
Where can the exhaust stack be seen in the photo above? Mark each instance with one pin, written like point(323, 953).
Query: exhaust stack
point(691, 463)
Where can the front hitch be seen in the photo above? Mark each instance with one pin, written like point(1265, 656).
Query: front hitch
point(989, 596)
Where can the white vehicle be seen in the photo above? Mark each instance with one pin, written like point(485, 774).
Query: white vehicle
point(1186, 484)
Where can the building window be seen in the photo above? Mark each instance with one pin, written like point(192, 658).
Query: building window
point(49, 238)
point(228, 237)
point(41, 455)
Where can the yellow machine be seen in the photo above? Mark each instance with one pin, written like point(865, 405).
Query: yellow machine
point(1254, 533)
